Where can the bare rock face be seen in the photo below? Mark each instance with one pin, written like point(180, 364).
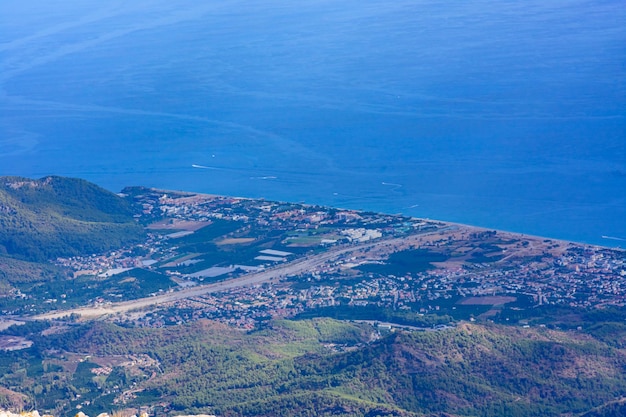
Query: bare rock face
point(24, 414)
point(200, 415)
point(79, 414)
point(36, 414)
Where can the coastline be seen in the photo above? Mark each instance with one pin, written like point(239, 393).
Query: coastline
point(188, 193)
point(531, 236)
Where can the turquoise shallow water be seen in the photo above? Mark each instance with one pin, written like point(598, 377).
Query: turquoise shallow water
point(501, 114)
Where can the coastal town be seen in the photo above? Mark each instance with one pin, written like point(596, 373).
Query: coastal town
point(242, 266)
point(410, 267)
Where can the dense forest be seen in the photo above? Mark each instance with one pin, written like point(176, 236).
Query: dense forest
point(54, 216)
point(318, 367)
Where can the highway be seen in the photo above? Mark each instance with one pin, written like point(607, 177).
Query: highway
point(298, 266)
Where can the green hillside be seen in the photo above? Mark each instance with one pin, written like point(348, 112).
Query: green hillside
point(319, 367)
point(54, 216)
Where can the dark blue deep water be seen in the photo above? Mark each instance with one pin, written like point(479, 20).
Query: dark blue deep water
point(505, 114)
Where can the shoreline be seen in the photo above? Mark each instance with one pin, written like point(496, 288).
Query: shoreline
point(530, 236)
point(186, 193)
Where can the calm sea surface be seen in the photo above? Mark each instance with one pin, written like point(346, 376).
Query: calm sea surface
point(504, 114)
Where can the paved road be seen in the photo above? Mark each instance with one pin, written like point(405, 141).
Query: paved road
point(298, 266)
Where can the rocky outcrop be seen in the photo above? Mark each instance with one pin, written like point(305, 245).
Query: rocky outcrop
point(23, 414)
point(36, 414)
point(79, 414)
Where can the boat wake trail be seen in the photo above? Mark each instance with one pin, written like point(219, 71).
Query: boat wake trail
point(391, 184)
point(614, 238)
point(206, 167)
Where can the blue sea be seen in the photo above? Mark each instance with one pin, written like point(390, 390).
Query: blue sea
point(504, 114)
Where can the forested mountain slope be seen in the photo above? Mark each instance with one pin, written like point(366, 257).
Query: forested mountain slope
point(55, 216)
point(318, 367)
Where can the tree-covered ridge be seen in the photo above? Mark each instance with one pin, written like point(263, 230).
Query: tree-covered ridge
point(317, 367)
point(55, 216)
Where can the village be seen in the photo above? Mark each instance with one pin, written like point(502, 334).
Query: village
point(463, 272)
